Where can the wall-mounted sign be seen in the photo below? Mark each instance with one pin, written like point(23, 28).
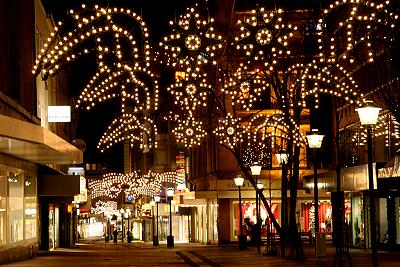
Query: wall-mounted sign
point(180, 168)
point(59, 113)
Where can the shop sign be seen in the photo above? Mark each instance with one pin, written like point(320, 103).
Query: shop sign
point(59, 114)
point(229, 185)
point(180, 168)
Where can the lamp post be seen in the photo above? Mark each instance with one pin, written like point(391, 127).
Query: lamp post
point(368, 117)
point(256, 171)
point(127, 216)
point(170, 238)
point(315, 142)
point(152, 204)
point(242, 238)
point(155, 237)
point(282, 158)
point(122, 211)
point(260, 188)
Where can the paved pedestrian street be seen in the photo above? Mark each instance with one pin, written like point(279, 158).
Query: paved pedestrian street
point(97, 253)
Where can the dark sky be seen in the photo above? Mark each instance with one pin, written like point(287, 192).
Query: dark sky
point(156, 14)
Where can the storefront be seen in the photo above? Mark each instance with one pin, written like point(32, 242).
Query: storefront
point(18, 205)
point(389, 206)
point(354, 184)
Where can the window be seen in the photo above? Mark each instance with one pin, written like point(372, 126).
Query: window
point(3, 206)
point(30, 209)
point(16, 205)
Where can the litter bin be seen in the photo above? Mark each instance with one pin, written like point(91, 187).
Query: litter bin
point(130, 236)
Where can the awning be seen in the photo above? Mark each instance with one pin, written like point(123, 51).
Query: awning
point(36, 144)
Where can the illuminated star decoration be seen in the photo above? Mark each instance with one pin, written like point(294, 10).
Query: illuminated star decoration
point(191, 91)
point(245, 87)
point(263, 37)
point(229, 131)
point(193, 41)
point(189, 131)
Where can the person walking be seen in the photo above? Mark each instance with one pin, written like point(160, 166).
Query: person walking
point(115, 236)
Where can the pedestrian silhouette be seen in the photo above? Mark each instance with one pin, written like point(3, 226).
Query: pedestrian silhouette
point(115, 235)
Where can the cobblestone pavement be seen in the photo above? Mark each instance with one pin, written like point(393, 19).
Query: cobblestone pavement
point(99, 253)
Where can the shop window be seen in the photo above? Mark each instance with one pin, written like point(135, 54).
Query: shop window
point(357, 220)
point(15, 203)
point(3, 206)
point(397, 214)
point(30, 209)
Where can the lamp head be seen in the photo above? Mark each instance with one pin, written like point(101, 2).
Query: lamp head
point(170, 192)
point(368, 113)
point(157, 199)
point(282, 157)
point(314, 139)
point(239, 180)
point(260, 186)
point(255, 169)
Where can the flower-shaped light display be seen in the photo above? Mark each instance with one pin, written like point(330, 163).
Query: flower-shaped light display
point(193, 41)
point(245, 87)
point(191, 92)
point(263, 36)
point(230, 132)
point(189, 131)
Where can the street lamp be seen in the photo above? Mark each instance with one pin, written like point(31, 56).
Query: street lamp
point(122, 211)
point(155, 238)
point(282, 158)
point(315, 141)
point(260, 188)
point(127, 216)
point(170, 238)
point(152, 204)
point(368, 117)
point(256, 171)
point(242, 238)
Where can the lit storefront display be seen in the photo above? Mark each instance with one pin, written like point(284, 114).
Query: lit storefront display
point(18, 208)
point(53, 227)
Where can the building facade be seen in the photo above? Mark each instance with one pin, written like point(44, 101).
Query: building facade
point(29, 145)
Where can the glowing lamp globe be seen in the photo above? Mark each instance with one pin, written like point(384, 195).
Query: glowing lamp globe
point(255, 169)
point(368, 113)
point(314, 139)
point(170, 192)
point(260, 185)
point(239, 180)
point(282, 157)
